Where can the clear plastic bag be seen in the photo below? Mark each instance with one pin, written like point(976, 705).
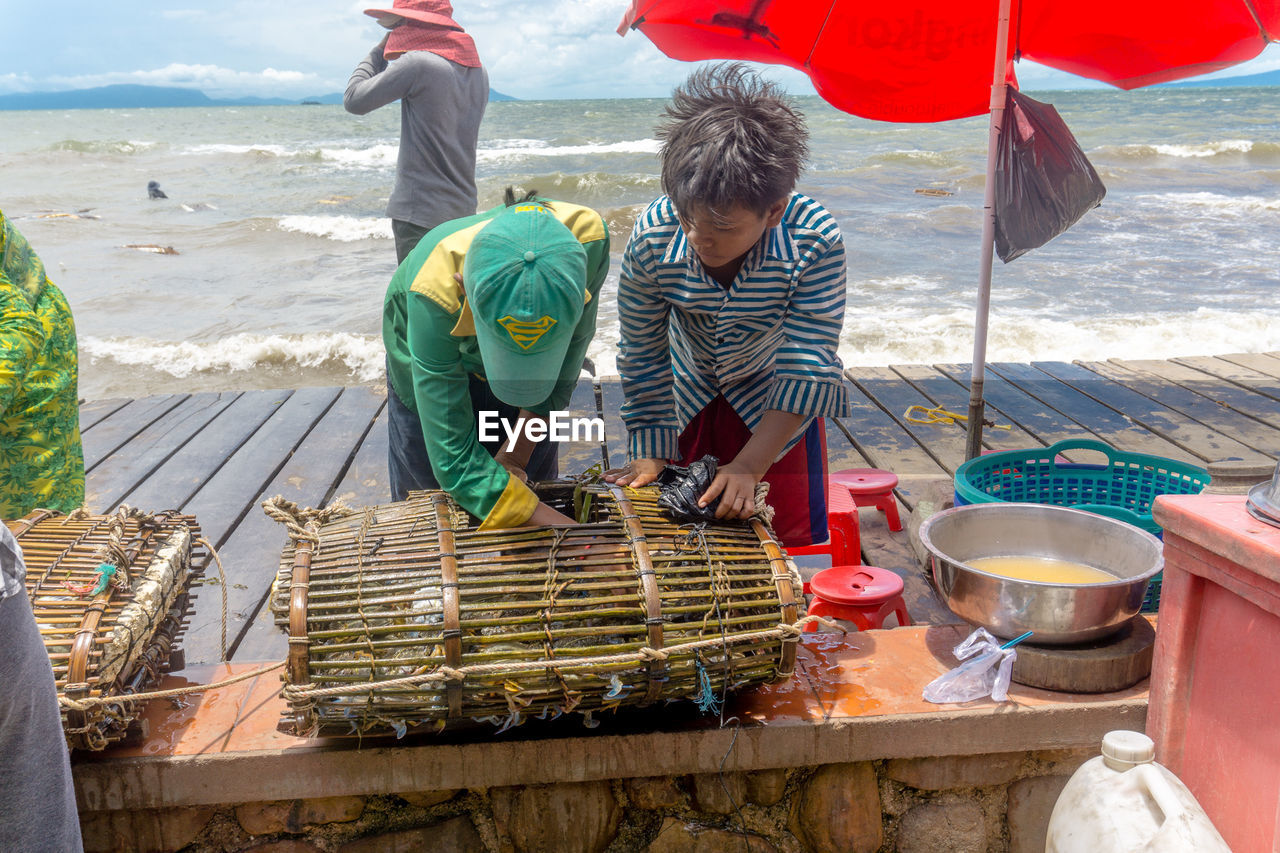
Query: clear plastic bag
point(985, 672)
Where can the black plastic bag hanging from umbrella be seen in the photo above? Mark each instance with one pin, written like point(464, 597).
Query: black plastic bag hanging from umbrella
point(1044, 181)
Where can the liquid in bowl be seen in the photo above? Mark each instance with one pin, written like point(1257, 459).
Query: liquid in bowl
point(1041, 570)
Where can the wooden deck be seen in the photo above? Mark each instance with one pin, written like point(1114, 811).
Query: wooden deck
point(218, 455)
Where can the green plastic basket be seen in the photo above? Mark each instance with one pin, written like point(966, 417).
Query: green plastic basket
point(1123, 488)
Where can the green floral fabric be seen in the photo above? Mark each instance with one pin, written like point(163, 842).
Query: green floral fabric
point(41, 460)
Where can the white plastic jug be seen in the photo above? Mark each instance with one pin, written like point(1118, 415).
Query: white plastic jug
point(1124, 802)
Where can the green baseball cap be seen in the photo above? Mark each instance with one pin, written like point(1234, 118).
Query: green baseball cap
point(525, 275)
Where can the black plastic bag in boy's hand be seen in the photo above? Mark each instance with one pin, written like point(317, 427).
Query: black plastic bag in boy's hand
point(679, 489)
point(1044, 183)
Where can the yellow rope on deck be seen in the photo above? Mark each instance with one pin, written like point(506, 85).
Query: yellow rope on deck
point(939, 415)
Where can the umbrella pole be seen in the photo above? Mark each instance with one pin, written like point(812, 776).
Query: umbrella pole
point(973, 444)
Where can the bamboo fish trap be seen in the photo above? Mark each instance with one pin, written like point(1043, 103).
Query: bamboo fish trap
point(406, 615)
point(110, 595)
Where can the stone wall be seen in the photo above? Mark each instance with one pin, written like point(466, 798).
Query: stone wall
point(999, 802)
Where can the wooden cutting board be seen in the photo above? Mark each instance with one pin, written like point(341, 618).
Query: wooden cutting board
point(1112, 663)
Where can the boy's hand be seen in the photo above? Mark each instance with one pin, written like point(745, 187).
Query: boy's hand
point(735, 484)
point(636, 473)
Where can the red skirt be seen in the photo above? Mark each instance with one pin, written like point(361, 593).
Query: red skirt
point(797, 481)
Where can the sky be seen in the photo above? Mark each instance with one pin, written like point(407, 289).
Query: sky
point(533, 49)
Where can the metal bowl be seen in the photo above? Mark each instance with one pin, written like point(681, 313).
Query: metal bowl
point(1059, 614)
point(1264, 500)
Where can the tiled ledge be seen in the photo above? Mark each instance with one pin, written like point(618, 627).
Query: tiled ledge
point(854, 698)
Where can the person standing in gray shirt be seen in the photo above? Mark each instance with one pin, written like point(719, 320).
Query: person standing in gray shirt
point(429, 64)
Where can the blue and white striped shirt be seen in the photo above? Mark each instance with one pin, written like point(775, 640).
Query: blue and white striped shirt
point(768, 342)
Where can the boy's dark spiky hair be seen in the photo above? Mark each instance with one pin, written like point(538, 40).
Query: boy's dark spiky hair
point(730, 138)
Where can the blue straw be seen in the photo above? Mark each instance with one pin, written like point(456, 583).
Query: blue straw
point(1016, 640)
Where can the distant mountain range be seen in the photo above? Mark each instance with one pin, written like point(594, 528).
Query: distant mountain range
point(125, 96)
point(1267, 78)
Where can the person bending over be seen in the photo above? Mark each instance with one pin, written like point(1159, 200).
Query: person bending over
point(731, 299)
point(489, 317)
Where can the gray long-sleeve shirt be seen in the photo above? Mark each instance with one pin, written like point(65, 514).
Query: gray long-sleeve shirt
point(441, 105)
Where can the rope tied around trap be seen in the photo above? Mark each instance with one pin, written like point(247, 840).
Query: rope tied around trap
point(440, 674)
point(112, 555)
point(302, 523)
point(644, 654)
point(93, 701)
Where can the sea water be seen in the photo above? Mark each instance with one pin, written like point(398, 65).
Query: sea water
point(283, 250)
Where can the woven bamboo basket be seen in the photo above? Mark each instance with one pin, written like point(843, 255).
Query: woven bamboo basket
point(406, 615)
point(110, 595)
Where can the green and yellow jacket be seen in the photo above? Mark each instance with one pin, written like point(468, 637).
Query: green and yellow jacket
point(429, 334)
point(41, 461)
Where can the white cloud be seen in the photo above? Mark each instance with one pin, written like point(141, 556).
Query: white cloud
point(571, 49)
point(299, 48)
point(213, 80)
point(1268, 61)
point(12, 82)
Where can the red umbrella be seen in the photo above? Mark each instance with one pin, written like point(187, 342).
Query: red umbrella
point(925, 60)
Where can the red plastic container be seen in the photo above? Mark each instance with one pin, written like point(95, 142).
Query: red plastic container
point(1215, 676)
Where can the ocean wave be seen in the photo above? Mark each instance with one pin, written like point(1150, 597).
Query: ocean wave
point(1214, 203)
point(104, 146)
point(873, 339)
point(262, 149)
point(598, 186)
point(914, 157)
point(133, 366)
point(908, 338)
point(344, 229)
point(380, 156)
point(520, 148)
point(897, 286)
point(1254, 151)
point(359, 357)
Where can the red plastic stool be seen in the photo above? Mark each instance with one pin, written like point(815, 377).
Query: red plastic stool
point(843, 542)
point(872, 487)
point(863, 595)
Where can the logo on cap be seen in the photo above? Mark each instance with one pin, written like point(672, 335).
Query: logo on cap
point(526, 333)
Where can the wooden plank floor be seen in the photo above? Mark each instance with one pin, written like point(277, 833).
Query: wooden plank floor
point(219, 455)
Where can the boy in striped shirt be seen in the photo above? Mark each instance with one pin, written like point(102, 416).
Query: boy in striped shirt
point(731, 299)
